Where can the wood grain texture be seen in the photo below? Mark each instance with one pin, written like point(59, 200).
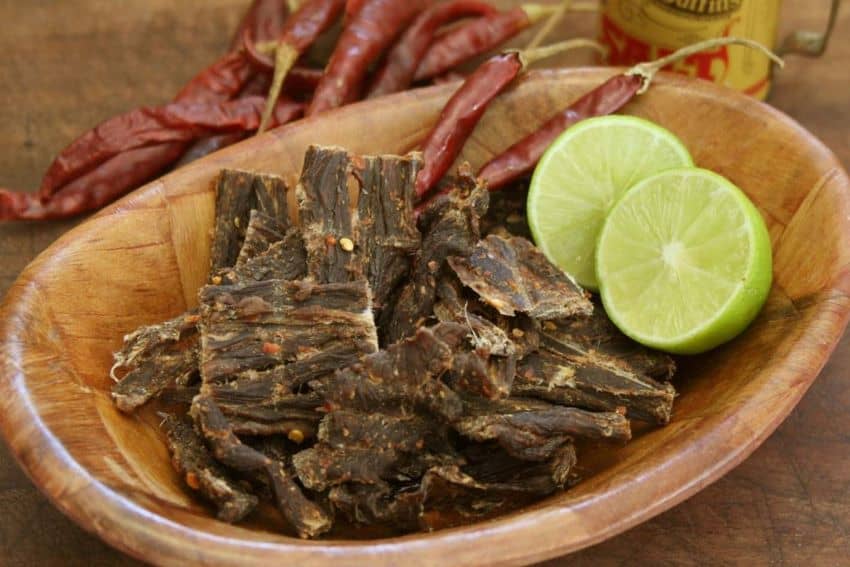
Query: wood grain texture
point(787, 504)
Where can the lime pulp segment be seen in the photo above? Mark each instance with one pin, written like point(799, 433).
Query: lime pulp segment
point(684, 261)
point(582, 174)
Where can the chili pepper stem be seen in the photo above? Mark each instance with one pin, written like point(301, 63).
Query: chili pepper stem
point(285, 57)
point(647, 71)
point(549, 24)
point(531, 56)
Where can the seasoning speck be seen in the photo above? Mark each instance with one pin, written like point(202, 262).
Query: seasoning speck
point(346, 244)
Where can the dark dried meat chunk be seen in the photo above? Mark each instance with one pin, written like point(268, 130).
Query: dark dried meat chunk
point(401, 379)
point(327, 221)
point(270, 193)
point(282, 260)
point(492, 466)
point(307, 517)
point(346, 429)
point(253, 386)
point(260, 325)
point(506, 215)
point(234, 199)
point(262, 232)
point(532, 430)
point(596, 382)
point(449, 227)
point(202, 473)
point(322, 467)
point(597, 334)
point(367, 504)
point(387, 237)
point(513, 276)
point(154, 358)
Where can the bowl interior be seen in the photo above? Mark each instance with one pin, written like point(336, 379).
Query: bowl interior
point(143, 260)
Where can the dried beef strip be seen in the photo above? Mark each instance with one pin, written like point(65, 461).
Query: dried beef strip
point(594, 382)
point(387, 237)
point(532, 430)
point(402, 379)
point(253, 386)
point(492, 466)
point(270, 195)
point(262, 232)
point(283, 260)
point(202, 473)
point(294, 415)
point(321, 467)
point(154, 358)
point(597, 335)
point(326, 217)
point(260, 325)
point(513, 276)
point(307, 517)
point(506, 215)
point(234, 199)
point(449, 227)
point(367, 504)
point(481, 374)
point(345, 429)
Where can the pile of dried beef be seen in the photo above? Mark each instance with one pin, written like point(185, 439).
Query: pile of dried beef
point(362, 367)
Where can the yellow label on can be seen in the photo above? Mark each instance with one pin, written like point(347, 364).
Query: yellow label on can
point(642, 30)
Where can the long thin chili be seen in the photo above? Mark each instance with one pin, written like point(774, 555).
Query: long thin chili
point(609, 97)
point(175, 122)
point(371, 30)
point(398, 70)
point(128, 170)
point(299, 32)
point(263, 21)
point(466, 107)
point(478, 36)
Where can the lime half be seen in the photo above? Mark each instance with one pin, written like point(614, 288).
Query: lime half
point(684, 261)
point(582, 175)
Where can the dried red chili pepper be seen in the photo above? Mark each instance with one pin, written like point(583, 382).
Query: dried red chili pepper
point(466, 107)
point(263, 20)
point(521, 158)
point(373, 29)
point(352, 7)
point(91, 174)
point(97, 188)
point(478, 36)
point(299, 32)
point(219, 82)
point(175, 122)
point(401, 62)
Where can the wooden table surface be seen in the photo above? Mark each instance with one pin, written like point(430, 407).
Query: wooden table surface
point(67, 64)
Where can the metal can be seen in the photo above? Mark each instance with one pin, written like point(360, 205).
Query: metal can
point(642, 30)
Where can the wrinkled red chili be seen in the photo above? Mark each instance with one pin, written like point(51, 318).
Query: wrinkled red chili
point(476, 37)
point(521, 158)
point(609, 97)
point(373, 29)
point(397, 72)
point(128, 170)
point(468, 104)
point(299, 32)
point(461, 114)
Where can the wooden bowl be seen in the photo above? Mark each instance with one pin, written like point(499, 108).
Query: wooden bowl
point(143, 260)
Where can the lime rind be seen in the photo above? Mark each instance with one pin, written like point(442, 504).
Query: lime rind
point(569, 197)
point(742, 298)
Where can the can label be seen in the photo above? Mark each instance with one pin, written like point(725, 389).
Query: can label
point(642, 30)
